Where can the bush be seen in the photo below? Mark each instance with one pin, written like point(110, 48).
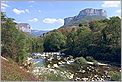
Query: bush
point(115, 76)
point(81, 61)
point(90, 59)
point(95, 63)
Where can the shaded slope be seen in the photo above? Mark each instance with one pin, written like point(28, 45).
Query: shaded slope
point(10, 71)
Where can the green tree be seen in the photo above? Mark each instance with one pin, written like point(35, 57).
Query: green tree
point(54, 41)
point(15, 43)
point(113, 31)
point(37, 44)
point(84, 39)
point(71, 43)
point(96, 26)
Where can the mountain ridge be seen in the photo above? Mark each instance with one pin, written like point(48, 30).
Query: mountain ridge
point(85, 15)
point(38, 32)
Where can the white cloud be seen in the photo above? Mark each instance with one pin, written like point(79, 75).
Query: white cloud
point(53, 20)
point(34, 20)
point(27, 10)
point(19, 11)
point(108, 4)
point(4, 5)
point(16, 21)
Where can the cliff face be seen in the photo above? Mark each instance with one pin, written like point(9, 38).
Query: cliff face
point(25, 27)
point(86, 14)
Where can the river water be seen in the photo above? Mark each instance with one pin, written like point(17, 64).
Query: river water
point(38, 62)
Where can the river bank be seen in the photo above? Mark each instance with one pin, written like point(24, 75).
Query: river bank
point(72, 71)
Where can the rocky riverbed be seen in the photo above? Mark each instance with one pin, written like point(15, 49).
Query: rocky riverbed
point(71, 71)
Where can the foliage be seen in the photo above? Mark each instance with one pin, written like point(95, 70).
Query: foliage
point(84, 39)
point(101, 40)
point(81, 61)
point(37, 44)
point(90, 59)
point(71, 43)
point(54, 41)
point(95, 63)
point(97, 25)
point(112, 33)
point(115, 76)
point(15, 43)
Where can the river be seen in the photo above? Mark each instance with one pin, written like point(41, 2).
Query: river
point(87, 72)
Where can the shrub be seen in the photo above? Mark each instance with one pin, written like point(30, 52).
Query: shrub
point(115, 76)
point(90, 59)
point(95, 63)
point(81, 61)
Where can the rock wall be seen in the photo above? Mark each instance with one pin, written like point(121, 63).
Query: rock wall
point(25, 27)
point(84, 13)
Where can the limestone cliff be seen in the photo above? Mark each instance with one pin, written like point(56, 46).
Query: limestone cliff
point(25, 27)
point(86, 15)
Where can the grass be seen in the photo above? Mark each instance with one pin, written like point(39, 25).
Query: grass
point(10, 71)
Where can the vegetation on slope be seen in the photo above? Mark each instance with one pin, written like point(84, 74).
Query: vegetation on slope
point(11, 71)
point(99, 39)
point(16, 45)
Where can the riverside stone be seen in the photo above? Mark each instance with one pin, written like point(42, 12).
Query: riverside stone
point(55, 65)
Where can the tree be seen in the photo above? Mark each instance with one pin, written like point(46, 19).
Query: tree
point(96, 26)
point(106, 42)
point(84, 39)
point(54, 41)
point(113, 31)
point(15, 43)
point(37, 44)
point(71, 43)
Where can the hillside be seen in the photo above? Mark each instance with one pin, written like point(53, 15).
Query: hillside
point(11, 71)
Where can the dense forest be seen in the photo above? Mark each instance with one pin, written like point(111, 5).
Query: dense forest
point(99, 39)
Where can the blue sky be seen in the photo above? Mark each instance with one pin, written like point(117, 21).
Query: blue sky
point(48, 15)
